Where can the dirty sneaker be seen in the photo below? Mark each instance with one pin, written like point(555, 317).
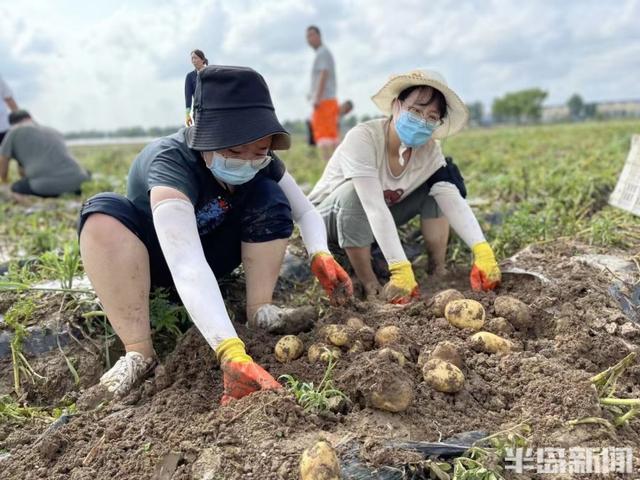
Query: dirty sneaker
point(126, 373)
point(278, 320)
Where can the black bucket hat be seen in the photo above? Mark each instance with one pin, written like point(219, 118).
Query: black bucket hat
point(232, 107)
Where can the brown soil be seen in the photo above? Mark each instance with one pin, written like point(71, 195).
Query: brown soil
point(174, 422)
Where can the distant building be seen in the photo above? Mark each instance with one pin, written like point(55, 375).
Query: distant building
point(612, 109)
point(622, 108)
point(555, 113)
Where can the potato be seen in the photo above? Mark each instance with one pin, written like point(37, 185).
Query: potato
point(465, 314)
point(443, 376)
point(441, 299)
point(315, 350)
point(499, 325)
point(319, 462)
point(320, 352)
point(355, 323)
point(289, 348)
point(365, 336)
point(387, 335)
point(448, 352)
point(514, 310)
point(392, 393)
point(330, 353)
point(357, 347)
point(393, 355)
point(490, 343)
point(339, 335)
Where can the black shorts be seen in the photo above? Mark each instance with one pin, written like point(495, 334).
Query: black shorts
point(263, 215)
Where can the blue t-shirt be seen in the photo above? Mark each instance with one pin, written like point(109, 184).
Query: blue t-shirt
point(169, 162)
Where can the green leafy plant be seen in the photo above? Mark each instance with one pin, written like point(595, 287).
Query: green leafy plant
point(12, 412)
point(165, 315)
point(311, 398)
point(15, 318)
point(63, 267)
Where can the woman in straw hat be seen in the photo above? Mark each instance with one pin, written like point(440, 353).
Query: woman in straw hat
point(389, 170)
point(199, 203)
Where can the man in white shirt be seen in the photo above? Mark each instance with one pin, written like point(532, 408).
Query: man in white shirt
point(324, 121)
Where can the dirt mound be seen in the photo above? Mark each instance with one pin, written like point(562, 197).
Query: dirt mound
point(174, 421)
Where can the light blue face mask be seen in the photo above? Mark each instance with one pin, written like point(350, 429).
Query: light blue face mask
point(236, 171)
point(412, 130)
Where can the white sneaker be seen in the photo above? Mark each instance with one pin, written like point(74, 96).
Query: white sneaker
point(278, 320)
point(126, 373)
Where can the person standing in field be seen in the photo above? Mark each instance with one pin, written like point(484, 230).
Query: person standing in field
point(389, 170)
point(7, 101)
point(199, 61)
point(326, 111)
point(46, 166)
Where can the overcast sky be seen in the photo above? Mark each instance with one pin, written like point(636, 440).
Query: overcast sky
point(80, 65)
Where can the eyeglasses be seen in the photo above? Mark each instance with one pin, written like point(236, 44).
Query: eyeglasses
point(431, 118)
point(237, 163)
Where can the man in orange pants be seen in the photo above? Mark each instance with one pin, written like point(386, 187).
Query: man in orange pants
point(324, 121)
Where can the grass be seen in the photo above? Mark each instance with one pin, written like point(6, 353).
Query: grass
point(311, 398)
point(19, 313)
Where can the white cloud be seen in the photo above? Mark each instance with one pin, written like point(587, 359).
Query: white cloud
point(82, 66)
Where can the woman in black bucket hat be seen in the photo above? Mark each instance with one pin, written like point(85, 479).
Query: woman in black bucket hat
point(199, 203)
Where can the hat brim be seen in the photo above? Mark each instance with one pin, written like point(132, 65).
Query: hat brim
point(457, 112)
point(220, 129)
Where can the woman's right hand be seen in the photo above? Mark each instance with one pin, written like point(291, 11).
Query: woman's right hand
point(402, 286)
point(188, 121)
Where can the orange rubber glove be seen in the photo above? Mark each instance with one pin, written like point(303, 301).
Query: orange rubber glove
point(402, 287)
point(188, 121)
point(241, 374)
point(485, 273)
point(335, 281)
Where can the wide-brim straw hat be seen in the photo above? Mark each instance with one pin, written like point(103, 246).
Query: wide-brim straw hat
point(457, 112)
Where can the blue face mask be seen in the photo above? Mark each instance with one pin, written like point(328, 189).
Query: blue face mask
point(412, 130)
point(235, 171)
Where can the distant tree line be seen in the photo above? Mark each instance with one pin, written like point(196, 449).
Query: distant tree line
point(123, 132)
point(523, 106)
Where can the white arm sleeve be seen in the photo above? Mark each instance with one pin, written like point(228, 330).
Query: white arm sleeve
point(458, 212)
point(175, 224)
point(314, 233)
point(371, 196)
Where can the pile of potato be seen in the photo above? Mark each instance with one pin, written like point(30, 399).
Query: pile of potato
point(441, 367)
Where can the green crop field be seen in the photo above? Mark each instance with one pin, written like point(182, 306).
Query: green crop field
point(534, 183)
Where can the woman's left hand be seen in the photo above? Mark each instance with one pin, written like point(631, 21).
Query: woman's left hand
point(335, 281)
point(485, 272)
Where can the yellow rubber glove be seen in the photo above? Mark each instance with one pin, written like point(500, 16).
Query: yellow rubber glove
point(241, 375)
point(188, 122)
point(232, 350)
point(402, 286)
point(485, 273)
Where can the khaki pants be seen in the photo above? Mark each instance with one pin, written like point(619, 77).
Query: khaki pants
point(346, 221)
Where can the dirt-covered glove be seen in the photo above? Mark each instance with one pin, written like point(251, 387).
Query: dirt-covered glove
point(335, 281)
point(241, 374)
point(188, 121)
point(485, 273)
point(402, 287)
